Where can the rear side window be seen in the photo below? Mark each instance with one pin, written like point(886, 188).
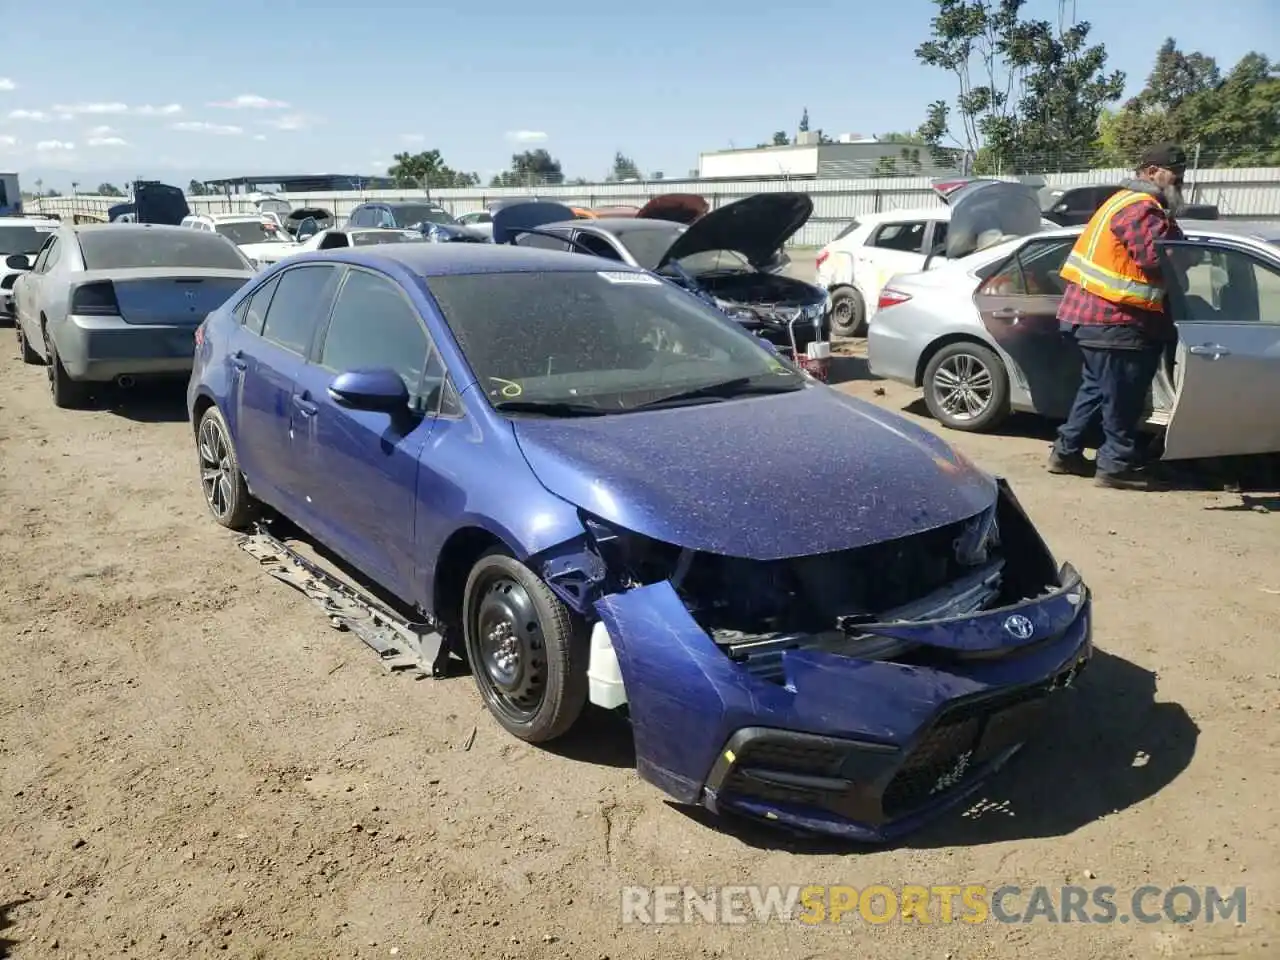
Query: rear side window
point(253, 312)
point(1034, 271)
point(301, 302)
point(133, 247)
point(907, 237)
point(853, 225)
point(542, 242)
point(374, 325)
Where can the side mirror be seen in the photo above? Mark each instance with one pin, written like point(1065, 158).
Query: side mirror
point(380, 391)
point(17, 261)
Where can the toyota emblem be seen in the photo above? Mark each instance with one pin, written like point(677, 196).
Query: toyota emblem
point(1019, 626)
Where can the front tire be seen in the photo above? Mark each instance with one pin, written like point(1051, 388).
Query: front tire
point(848, 313)
point(29, 356)
point(225, 492)
point(527, 652)
point(966, 388)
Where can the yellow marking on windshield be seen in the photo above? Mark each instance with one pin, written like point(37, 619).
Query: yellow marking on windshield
point(510, 389)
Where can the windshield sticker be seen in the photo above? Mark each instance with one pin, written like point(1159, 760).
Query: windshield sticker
point(617, 276)
point(510, 389)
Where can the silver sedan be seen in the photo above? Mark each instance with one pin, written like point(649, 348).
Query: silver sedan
point(114, 302)
point(979, 335)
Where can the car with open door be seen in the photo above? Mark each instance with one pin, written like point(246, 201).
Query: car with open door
point(979, 334)
point(722, 256)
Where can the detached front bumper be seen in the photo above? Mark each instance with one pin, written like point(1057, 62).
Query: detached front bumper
point(865, 749)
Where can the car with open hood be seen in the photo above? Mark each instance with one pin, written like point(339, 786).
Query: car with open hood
point(723, 255)
point(979, 334)
point(583, 483)
point(152, 202)
point(432, 220)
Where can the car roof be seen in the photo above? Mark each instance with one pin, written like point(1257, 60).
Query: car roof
point(1263, 230)
point(452, 259)
point(27, 222)
point(906, 213)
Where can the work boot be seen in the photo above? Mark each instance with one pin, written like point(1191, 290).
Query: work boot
point(1125, 480)
point(1074, 465)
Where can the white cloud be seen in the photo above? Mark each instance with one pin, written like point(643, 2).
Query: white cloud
point(92, 109)
point(294, 121)
point(107, 142)
point(49, 146)
point(412, 137)
point(37, 115)
point(250, 101)
point(168, 110)
point(526, 136)
point(6, 84)
point(259, 136)
point(103, 131)
point(7, 141)
point(199, 126)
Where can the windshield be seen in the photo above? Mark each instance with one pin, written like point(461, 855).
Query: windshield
point(649, 241)
point(607, 342)
point(127, 248)
point(410, 215)
point(21, 240)
point(366, 238)
point(248, 231)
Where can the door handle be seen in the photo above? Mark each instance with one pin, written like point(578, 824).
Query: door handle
point(304, 406)
point(1007, 313)
point(1213, 351)
point(238, 361)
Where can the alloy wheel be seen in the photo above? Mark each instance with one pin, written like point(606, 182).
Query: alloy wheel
point(215, 468)
point(963, 386)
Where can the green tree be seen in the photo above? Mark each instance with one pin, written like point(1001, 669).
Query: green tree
point(624, 168)
point(1029, 94)
point(196, 189)
point(780, 139)
point(528, 169)
point(109, 190)
point(427, 170)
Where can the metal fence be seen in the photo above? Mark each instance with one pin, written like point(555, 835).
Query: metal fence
point(1251, 193)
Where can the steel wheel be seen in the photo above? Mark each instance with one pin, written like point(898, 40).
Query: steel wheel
point(513, 654)
point(964, 386)
point(216, 476)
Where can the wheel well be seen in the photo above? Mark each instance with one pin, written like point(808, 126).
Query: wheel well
point(458, 555)
point(202, 404)
point(931, 351)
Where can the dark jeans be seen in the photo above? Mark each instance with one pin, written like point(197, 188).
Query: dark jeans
point(1113, 385)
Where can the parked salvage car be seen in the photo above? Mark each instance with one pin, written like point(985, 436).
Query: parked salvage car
point(323, 218)
point(1075, 206)
point(336, 238)
point(434, 222)
point(979, 335)
point(258, 236)
point(152, 202)
point(120, 302)
point(477, 430)
point(723, 256)
point(20, 240)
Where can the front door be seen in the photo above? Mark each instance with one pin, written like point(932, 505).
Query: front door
point(1227, 375)
point(268, 367)
point(1019, 307)
point(360, 467)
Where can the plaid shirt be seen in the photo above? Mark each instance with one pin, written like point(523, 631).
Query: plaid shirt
point(1140, 228)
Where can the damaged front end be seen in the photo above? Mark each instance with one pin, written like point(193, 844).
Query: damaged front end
point(855, 693)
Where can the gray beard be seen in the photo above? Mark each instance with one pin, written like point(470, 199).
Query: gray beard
point(1174, 200)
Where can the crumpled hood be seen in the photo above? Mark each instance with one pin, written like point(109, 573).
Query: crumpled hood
point(761, 478)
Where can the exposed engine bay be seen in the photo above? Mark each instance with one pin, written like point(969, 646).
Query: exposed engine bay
point(761, 290)
point(755, 610)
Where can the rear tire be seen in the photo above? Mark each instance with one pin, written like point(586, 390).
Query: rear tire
point(527, 652)
point(67, 394)
point(848, 313)
point(225, 492)
point(966, 388)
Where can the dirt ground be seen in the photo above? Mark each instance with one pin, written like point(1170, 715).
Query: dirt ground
point(193, 764)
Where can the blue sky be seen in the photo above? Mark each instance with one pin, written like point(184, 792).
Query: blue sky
point(92, 91)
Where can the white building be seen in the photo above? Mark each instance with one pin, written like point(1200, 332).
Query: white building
point(851, 156)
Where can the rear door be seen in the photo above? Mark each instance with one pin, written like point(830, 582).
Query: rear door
point(269, 368)
point(1227, 373)
point(894, 246)
point(360, 467)
point(1019, 308)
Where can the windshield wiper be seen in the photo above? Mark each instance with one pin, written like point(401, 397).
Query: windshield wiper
point(550, 408)
point(738, 387)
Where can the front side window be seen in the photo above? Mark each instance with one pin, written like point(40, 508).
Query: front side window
point(52, 256)
point(1224, 284)
point(374, 326)
point(599, 341)
point(542, 241)
point(300, 304)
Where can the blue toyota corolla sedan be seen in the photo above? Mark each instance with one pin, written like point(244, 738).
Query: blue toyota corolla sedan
point(601, 491)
